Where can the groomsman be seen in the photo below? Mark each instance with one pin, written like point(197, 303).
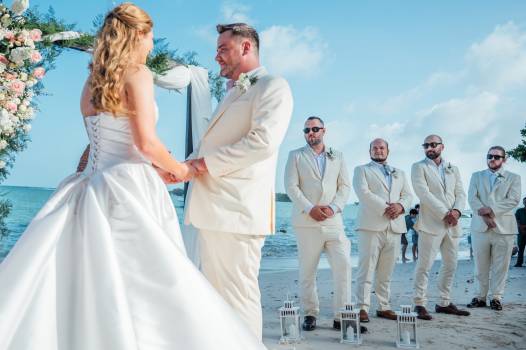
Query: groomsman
point(438, 185)
point(384, 195)
point(316, 181)
point(493, 195)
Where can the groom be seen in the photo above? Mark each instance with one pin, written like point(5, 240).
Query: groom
point(232, 201)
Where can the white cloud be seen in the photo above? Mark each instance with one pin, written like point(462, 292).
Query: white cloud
point(287, 50)
point(235, 12)
point(477, 106)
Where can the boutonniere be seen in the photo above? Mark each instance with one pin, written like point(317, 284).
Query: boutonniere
point(244, 82)
point(500, 177)
point(394, 173)
point(331, 154)
point(449, 168)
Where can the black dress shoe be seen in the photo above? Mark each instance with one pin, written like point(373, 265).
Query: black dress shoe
point(309, 323)
point(476, 302)
point(495, 304)
point(451, 309)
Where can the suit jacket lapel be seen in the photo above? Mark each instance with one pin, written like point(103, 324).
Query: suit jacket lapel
point(307, 153)
point(380, 177)
point(234, 94)
point(436, 174)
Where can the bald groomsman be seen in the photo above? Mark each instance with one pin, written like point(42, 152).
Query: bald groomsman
point(384, 195)
point(316, 181)
point(493, 195)
point(437, 184)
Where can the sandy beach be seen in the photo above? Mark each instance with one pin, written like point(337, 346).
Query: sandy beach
point(484, 329)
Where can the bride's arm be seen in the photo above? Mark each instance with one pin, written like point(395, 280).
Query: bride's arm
point(141, 104)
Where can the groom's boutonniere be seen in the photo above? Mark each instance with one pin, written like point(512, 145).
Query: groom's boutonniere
point(330, 153)
point(244, 82)
point(394, 173)
point(500, 177)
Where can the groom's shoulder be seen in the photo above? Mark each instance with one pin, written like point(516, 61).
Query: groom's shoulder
point(274, 81)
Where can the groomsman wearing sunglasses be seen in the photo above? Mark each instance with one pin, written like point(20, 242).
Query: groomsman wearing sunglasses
point(384, 196)
point(493, 195)
point(437, 184)
point(316, 181)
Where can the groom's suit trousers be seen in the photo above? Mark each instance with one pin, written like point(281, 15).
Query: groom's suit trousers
point(231, 262)
point(312, 241)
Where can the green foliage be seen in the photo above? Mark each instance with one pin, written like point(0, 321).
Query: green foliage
point(519, 152)
point(5, 209)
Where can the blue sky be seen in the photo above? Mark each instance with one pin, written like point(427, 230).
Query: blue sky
point(398, 70)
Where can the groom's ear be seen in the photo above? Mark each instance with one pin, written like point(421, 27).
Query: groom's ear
point(246, 47)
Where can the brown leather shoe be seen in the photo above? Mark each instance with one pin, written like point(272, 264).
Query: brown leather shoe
point(389, 314)
point(451, 309)
point(364, 317)
point(422, 313)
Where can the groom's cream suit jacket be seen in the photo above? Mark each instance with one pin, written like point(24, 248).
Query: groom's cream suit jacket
point(240, 149)
point(306, 187)
point(436, 197)
point(373, 193)
point(502, 199)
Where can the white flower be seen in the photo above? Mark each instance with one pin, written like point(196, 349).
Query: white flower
point(2, 164)
point(5, 120)
point(3, 144)
point(244, 82)
point(19, 6)
point(27, 128)
point(23, 76)
point(19, 54)
point(6, 20)
point(2, 67)
point(22, 108)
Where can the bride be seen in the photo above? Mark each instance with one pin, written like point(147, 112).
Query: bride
point(102, 266)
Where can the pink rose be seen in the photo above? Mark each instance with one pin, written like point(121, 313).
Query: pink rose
point(17, 86)
point(9, 76)
point(35, 35)
point(11, 106)
point(4, 60)
point(9, 35)
point(36, 56)
point(39, 72)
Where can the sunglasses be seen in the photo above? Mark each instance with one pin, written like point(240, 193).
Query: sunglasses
point(494, 156)
point(314, 129)
point(431, 145)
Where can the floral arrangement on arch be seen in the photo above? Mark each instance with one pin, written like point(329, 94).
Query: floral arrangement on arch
point(20, 72)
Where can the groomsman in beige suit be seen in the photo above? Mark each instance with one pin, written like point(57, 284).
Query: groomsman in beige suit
point(384, 195)
point(438, 185)
point(232, 202)
point(316, 181)
point(493, 195)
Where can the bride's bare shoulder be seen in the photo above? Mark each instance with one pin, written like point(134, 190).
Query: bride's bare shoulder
point(138, 74)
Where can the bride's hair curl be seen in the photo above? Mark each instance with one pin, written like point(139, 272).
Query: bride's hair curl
point(116, 41)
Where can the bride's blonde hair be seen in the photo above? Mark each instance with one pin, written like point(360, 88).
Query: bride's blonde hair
point(116, 41)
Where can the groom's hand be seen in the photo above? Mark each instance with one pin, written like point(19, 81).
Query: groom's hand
point(199, 165)
point(317, 213)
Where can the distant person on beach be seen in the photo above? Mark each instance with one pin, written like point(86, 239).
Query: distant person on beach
point(520, 216)
point(438, 185)
point(384, 195)
point(493, 195)
point(410, 220)
point(316, 181)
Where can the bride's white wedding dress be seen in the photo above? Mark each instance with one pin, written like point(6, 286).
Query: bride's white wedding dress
point(103, 267)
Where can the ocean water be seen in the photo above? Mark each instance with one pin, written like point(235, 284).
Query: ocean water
point(279, 251)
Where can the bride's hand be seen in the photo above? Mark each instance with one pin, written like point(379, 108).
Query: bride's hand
point(167, 177)
point(187, 172)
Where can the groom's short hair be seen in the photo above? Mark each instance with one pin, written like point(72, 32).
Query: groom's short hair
point(240, 29)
